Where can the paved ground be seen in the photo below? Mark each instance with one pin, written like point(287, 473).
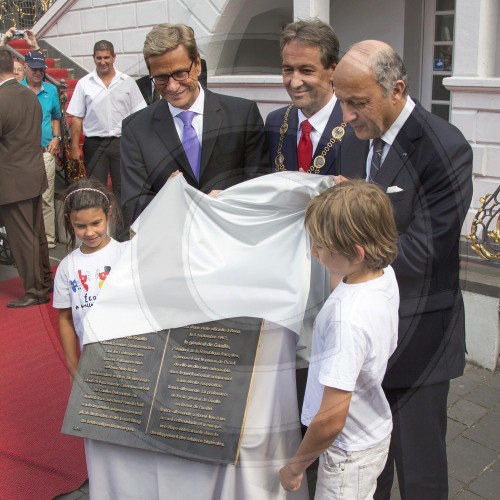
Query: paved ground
point(473, 439)
point(473, 430)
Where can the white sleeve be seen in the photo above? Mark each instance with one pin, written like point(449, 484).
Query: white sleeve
point(62, 294)
point(344, 355)
point(76, 106)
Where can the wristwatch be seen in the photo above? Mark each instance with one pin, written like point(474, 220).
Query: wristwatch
point(57, 137)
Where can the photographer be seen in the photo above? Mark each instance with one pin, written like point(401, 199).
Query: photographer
point(13, 33)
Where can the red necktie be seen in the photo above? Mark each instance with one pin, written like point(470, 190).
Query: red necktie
point(305, 148)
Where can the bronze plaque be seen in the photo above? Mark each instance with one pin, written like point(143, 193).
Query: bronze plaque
point(182, 391)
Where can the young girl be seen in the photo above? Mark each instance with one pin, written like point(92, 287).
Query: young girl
point(88, 206)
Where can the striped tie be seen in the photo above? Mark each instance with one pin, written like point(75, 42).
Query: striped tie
point(377, 150)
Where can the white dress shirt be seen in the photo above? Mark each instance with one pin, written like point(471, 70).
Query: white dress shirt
point(103, 108)
point(390, 134)
point(318, 122)
point(197, 122)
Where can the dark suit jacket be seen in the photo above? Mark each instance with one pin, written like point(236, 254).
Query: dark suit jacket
point(234, 149)
point(431, 162)
point(22, 171)
point(345, 158)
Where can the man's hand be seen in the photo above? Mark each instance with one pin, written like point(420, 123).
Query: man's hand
point(7, 36)
point(289, 480)
point(76, 153)
point(53, 146)
point(176, 173)
point(30, 38)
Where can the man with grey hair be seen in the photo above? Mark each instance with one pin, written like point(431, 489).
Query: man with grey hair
point(215, 141)
point(425, 165)
point(313, 122)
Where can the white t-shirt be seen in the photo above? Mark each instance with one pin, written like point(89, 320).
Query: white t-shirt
point(354, 335)
point(103, 108)
point(79, 279)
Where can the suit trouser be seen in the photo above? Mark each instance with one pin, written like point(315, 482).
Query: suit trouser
point(418, 444)
point(49, 219)
point(101, 156)
point(26, 234)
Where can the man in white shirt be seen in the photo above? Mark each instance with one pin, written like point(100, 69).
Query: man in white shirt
point(102, 99)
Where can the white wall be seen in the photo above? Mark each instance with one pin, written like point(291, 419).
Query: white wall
point(356, 20)
point(475, 92)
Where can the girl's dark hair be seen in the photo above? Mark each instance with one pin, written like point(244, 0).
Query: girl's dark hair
point(84, 194)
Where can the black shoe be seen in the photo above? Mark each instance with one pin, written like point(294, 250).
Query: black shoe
point(27, 301)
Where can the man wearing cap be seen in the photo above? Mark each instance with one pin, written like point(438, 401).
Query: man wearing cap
point(34, 68)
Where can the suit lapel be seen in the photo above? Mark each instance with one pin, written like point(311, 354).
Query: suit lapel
point(212, 123)
point(400, 152)
point(334, 121)
point(164, 128)
point(289, 148)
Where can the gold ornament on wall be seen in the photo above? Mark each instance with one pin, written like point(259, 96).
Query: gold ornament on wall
point(485, 229)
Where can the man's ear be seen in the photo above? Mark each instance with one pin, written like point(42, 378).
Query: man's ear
point(332, 68)
point(398, 90)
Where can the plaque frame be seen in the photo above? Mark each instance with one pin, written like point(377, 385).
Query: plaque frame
point(183, 391)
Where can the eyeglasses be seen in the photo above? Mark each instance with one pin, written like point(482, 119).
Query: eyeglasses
point(178, 76)
point(36, 69)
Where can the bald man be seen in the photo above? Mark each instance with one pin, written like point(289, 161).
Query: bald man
point(425, 165)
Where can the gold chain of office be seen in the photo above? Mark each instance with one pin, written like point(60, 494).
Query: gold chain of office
point(319, 161)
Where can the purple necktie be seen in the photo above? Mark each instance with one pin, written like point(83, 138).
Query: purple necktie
point(190, 142)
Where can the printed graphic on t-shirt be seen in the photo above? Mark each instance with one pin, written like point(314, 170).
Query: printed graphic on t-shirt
point(86, 285)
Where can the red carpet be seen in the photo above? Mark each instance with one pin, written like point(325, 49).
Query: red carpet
point(36, 460)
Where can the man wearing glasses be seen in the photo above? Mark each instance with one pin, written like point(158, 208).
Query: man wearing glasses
point(215, 141)
point(101, 100)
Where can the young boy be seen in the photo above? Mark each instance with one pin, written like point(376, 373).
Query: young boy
point(348, 417)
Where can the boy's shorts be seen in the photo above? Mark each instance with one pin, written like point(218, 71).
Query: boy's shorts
point(350, 475)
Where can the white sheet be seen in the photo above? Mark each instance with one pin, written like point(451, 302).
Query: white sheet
point(196, 259)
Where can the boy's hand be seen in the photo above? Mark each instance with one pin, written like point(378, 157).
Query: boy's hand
point(337, 179)
point(289, 480)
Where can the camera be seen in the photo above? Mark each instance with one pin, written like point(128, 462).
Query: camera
point(18, 33)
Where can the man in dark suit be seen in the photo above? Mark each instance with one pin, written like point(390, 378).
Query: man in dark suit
point(223, 145)
point(425, 165)
point(22, 183)
point(309, 55)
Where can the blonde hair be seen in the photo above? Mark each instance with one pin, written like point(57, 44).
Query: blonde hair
point(165, 37)
point(353, 213)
